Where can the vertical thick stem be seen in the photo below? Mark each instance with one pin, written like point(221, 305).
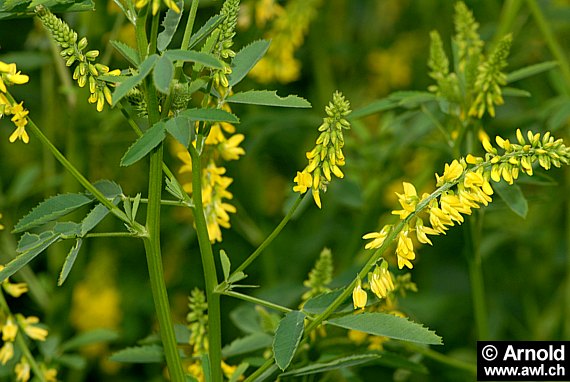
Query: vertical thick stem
point(209, 265)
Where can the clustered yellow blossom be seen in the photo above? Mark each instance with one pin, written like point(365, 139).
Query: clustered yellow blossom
point(87, 71)
point(156, 5)
point(221, 144)
point(380, 282)
point(13, 325)
point(10, 75)
point(326, 157)
point(464, 186)
point(287, 35)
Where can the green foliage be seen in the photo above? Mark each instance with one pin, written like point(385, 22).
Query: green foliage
point(246, 59)
point(320, 367)
point(381, 324)
point(139, 354)
point(287, 338)
point(268, 98)
point(170, 24)
point(21, 8)
point(148, 141)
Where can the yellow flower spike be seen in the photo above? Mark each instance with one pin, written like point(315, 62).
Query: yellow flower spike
point(359, 296)
point(488, 147)
point(380, 281)
point(405, 250)
point(304, 181)
point(450, 173)
point(6, 352)
point(32, 331)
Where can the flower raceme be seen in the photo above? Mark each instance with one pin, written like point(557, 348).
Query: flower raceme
point(326, 158)
point(464, 186)
point(9, 75)
point(87, 71)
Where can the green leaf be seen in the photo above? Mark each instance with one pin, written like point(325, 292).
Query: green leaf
point(175, 188)
point(210, 115)
point(127, 52)
point(268, 98)
point(72, 361)
point(412, 98)
point(128, 84)
point(90, 337)
point(94, 217)
point(144, 144)
point(170, 24)
point(236, 375)
point(513, 196)
point(514, 92)
point(25, 8)
point(318, 304)
point(139, 354)
point(67, 229)
point(226, 264)
point(373, 108)
point(246, 59)
point(31, 246)
point(247, 344)
point(69, 261)
point(180, 128)
point(382, 324)
point(108, 188)
point(237, 277)
point(204, 59)
point(162, 74)
point(128, 9)
point(339, 363)
point(531, 70)
point(205, 30)
point(287, 338)
point(51, 209)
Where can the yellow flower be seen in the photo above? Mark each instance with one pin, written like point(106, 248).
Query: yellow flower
point(359, 296)
point(357, 336)
point(304, 181)
point(405, 250)
point(1, 225)
point(9, 330)
point(422, 232)
point(32, 331)
point(229, 149)
point(6, 352)
point(22, 370)
point(156, 5)
point(408, 200)
point(14, 289)
point(451, 172)
point(10, 76)
point(380, 281)
point(377, 237)
point(50, 375)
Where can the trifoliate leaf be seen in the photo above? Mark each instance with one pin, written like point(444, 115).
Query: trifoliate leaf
point(127, 52)
point(287, 338)
point(52, 209)
point(382, 324)
point(131, 82)
point(144, 145)
point(268, 98)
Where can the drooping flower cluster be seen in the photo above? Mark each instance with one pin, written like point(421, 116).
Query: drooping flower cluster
point(326, 158)
point(287, 35)
point(10, 75)
point(464, 186)
point(475, 86)
point(14, 325)
point(86, 71)
point(380, 282)
point(156, 5)
point(218, 146)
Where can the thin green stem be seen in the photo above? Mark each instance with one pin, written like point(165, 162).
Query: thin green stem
point(551, 40)
point(257, 301)
point(152, 242)
point(34, 129)
point(441, 358)
point(209, 266)
point(269, 238)
point(111, 234)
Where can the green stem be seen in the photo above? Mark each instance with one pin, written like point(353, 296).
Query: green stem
point(553, 44)
point(111, 234)
point(441, 358)
point(152, 241)
point(257, 301)
point(476, 278)
point(269, 238)
point(32, 127)
point(209, 266)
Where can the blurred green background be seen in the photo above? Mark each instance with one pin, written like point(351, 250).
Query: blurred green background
point(366, 49)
